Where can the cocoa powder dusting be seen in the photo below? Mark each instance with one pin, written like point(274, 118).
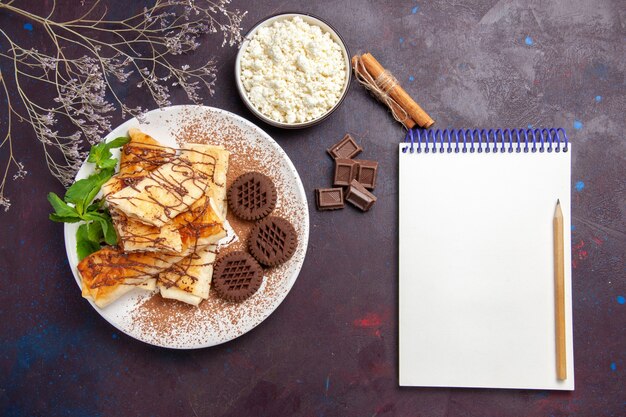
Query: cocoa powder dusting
point(175, 324)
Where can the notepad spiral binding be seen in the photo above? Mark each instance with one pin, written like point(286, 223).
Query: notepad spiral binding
point(486, 140)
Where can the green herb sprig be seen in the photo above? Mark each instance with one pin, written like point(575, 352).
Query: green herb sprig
point(78, 203)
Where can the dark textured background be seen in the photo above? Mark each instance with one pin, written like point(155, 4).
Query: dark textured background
point(331, 348)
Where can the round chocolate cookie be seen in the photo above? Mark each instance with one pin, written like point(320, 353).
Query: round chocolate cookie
point(273, 241)
point(252, 196)
point(237, 276)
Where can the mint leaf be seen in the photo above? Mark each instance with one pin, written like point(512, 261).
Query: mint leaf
point(85, 246)
point(118, 142)
point(96, 205)
point(110, 236)
point(82, 192)
point(100, 154)
point(94, 232)
point(98, 226)
point(93, 216)
point(99, 179)
point(108, 164)
point(63, 219)
point(78, 191)
point(61, 209)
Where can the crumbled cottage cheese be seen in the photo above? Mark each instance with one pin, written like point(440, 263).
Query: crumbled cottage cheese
point(292, 71)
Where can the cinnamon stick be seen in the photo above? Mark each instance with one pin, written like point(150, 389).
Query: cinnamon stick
point(395, 107)
point(398, 94)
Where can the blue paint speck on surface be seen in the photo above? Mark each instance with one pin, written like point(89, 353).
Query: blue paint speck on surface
point(598, 99)
point(401, 40)
point(411, 78)
point(28, 26)
point(415, 9)
point(573, 228)
point(578, 124)
point(580, 185)
point(528, 41)
point(613, 366)
point(327, 383)
point(621, 299)
point(530, 126)
point(114, 336)
point(601, 71)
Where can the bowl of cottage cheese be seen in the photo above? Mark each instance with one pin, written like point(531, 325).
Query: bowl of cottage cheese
point(292, 70)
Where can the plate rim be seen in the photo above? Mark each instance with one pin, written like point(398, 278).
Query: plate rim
point(67, 228)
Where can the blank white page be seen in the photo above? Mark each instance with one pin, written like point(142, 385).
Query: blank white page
point(477, 293)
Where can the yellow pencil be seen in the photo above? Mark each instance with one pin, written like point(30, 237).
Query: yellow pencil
point(559, 283)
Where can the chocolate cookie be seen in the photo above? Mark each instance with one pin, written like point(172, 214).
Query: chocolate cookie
point(273, 241)
point(237, 276)
point(252, 196)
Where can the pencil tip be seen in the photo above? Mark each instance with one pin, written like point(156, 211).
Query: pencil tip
point(558, 202)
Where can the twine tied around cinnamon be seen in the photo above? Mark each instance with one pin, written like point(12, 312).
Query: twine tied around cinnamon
point(386, 88)
point(386, 81)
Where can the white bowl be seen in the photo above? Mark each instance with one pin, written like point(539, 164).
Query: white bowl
point(313, 21)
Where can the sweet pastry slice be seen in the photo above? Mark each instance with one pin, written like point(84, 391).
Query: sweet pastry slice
point(213, 162)
point(110, 273)
point(143, 154)
point(192, 230)
point(116, 183)
point(199, 227)
point(113, 185)
point(138, 157)
point(165, 193)
point(175, 293)
point(135, 236)
point(189, 280)
point(149, 285)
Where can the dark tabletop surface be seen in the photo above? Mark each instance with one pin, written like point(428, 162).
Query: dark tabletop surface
point(330, 349)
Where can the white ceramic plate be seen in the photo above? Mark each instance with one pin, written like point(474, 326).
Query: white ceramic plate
point(145, 316)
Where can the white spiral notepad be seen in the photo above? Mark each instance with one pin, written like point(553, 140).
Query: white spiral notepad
point(476, 261)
